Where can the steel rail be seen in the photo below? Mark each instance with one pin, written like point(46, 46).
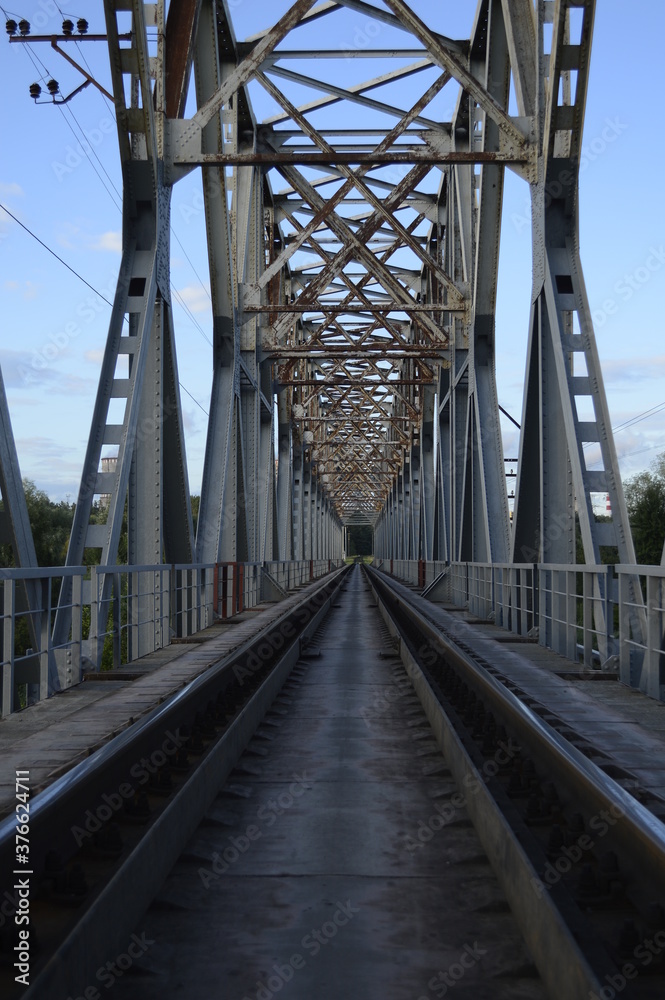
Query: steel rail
point(570, 958)
point(114, 905)
point(642, 828)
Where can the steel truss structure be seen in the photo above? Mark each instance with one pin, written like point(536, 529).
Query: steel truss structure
point(353, 240)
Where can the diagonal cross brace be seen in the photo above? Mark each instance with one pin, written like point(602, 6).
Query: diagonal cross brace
point(450, 62)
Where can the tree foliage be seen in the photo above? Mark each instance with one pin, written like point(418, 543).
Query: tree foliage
point(645, 499)
point(361, 540)
point(51, 524)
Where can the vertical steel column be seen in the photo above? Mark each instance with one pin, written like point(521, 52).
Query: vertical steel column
point(15, 529)
point(427, 474)
point(217, 523)
point(298, 522)
point(138, 340)
point(285, 481)
point(307, 510)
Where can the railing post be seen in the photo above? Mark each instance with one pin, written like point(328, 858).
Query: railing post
point(77, 627)
point(45, 651)
point(9, 602)
point(93, 642)
point(117, 623)
point(173, 600)
point(651, 670)
point(165, 605)
point(610, 647)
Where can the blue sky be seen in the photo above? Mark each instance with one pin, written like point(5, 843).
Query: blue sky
point(54, 327)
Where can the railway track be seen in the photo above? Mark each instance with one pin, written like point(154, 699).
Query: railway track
point(581, 859)
point(103, 837)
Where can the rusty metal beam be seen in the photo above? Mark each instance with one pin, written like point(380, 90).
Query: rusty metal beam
point(430, 156)
point(181, 24)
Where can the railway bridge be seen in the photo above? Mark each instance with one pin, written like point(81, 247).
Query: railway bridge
point(238, 764)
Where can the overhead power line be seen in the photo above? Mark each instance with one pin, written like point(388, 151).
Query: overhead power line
point(54, 254)
point(81, 278)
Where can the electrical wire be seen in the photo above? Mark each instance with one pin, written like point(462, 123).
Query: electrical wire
point(47, 73)
point(54, 254)
point(639, 417)
point(191, 315)
point(87, 66)
point(631, 421)
point(81, 278)
point(62, 110)
point(87, 154)
point(177, 239)
point(194, 399)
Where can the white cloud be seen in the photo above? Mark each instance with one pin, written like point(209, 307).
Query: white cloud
point(195, 297)
point(35, 368)
point(95, 357)
point(52, 465)
point(111, 240)
point(11, 190)
point(626, 371)
point(28, 289)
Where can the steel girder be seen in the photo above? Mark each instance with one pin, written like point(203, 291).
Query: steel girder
point(139, 368)
point(565, 408)
point(16, 532)
point(564, 403)
point(353, 310)
point(15, 527)
point(464, 507)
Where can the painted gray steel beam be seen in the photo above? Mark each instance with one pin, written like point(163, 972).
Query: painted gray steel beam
point(298, 501)
point(15, 530)
point(216, 529)
point(552, 461)
point(136, 333)
point(14, 516)
point(428, 474)
point(285, 475)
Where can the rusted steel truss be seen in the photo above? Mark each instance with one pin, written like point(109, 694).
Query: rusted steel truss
point(353, 199)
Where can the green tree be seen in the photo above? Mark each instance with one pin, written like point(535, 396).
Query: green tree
point(645, 499)
point(361, 540)
point(51, 525)
point(196, 503)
